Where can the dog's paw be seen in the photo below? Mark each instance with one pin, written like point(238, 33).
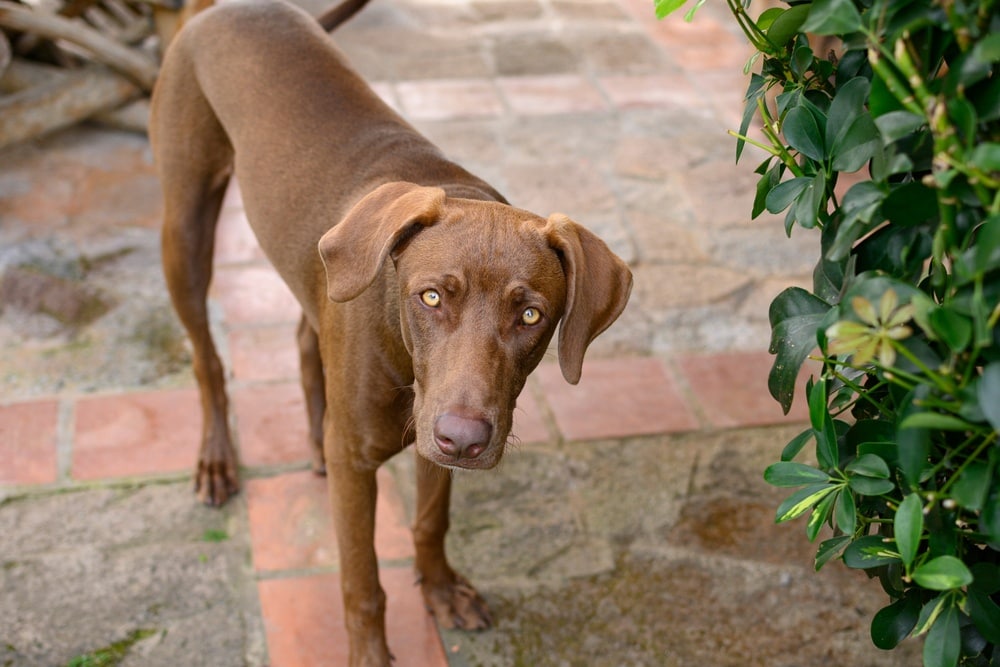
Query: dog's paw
point(457, 604)
point(215, 483)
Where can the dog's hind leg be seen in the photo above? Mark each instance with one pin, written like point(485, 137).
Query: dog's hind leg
point(194, 160)
point(311, 368)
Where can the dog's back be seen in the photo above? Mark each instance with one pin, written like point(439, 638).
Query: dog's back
point(262, 80)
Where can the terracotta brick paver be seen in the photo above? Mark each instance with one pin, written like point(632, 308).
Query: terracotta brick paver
point(291, 528)
point(617, 398)
point(731, 388)
point(272, 423)
point(28, 442)
point(305, 625)
point(264, 353)
point(141, 433)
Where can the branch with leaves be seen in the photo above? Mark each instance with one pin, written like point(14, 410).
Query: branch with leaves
point(905, 301)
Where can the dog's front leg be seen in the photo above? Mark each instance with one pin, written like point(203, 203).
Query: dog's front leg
point(353, 491)
point(447, 594)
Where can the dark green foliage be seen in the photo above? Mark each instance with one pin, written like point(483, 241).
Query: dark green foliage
point(905, 415)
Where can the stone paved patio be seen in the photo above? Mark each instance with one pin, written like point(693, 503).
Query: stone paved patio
point(630, 526)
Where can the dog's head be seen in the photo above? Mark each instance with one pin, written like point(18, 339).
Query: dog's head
point(482, 286)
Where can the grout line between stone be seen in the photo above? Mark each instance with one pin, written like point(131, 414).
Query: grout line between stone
point(672, 368)
point(65, 423)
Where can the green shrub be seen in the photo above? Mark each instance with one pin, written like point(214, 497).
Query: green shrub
point(905, 414)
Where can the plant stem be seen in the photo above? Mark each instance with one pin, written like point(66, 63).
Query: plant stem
point(942, 383)
point(987, 441)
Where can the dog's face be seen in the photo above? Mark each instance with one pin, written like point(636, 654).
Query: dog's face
point(481, 292)
point(482, 289)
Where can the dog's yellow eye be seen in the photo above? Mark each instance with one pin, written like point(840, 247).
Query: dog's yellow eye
point(531, 316)
point(431, 298)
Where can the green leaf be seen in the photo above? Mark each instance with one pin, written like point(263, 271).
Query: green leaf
point(910, 204)
point(796, 444)
point(963, 115)
point(832, 17)
point(869, 486)
point(689, 15)
point(783, 194)
point(972, 485)
point(795, 317)
point(790, 473)
point(987, 251)
point(766, 183)
point(851, 134)
point(944, 640)
point(859, 205)
point(951, 327)
point(786, 26)
point(909, 526)
point(985, 614)
point(754, 91)
point(845, 514)
point(987, 578)
point(869, 436)
point(830, 548)
point(826, 444)
point(802, 58)
point(987, 50)
point(869, 465)
point(914, 446)
point(929, 614)
point(989, 394)
point(809, 205)
point(986, 156)
point(817, 404)
point(893, 624)
point(848, 105)
point(989, 520)
point(666, 7)
point(802, 501)
point(856, 147)
point(819, 516)
point(987, 100)
point(943, 574)
point(895, 125)
point(868, 552)
point(802, 133)
point(767, 17)
point(934, 420)
point(823, 426)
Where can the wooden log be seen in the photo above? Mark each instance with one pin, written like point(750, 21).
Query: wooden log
point(132, 117)
point(136, 66)
point(55, 98)
point(74, 8)
point(5, 53)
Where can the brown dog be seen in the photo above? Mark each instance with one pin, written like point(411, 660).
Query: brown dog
point(432, 347)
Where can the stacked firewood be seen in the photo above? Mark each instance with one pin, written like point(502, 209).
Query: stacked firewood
point(64, 61)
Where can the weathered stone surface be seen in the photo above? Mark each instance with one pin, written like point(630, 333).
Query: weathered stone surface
point(100, 565)
point(522, 54)
point(72, 304)
point(696, 571)
point(662, 287)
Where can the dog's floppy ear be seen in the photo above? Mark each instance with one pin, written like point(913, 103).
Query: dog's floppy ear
point(353, 251)
point(598, 284)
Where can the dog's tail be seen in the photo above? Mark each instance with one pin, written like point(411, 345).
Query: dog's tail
point(338, 14)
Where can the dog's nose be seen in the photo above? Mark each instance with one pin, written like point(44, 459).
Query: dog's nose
point(460, 437)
